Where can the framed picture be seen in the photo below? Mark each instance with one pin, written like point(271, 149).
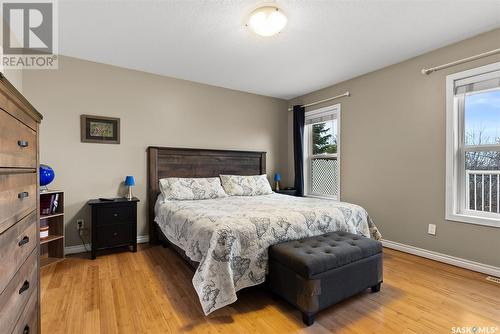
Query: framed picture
point(99, 129)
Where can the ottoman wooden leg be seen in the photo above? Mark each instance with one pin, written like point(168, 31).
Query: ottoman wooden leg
point(376, 288)
point(308, 318)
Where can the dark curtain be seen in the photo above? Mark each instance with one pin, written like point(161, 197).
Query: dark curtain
point(298, 147)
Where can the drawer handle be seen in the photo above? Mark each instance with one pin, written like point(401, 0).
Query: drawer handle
point(115, 214)
point(23, 194)
point(24, 241)
point(115, 234)
point(22, 143)
point(26, 286)
point(26, 329)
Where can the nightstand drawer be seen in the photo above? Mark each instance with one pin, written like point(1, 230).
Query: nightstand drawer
point(114, 235)
point(114, 215)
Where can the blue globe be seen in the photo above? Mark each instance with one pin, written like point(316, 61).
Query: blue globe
point(47, 175)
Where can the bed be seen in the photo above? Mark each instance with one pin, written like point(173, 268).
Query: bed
point(226, 239)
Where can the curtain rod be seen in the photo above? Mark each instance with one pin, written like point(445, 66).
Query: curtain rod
point(325, 100)
point(461, 61)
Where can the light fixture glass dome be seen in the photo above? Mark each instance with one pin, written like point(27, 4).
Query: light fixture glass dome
point(267, 21)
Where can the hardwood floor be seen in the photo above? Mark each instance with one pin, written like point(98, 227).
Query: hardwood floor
point(151, 292)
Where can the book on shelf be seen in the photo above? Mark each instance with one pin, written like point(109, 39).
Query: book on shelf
point(45, 204)
point(55, 203)
point(49, 204)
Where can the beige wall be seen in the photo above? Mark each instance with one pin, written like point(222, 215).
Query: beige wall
point(15, 77)
point(154, 110)
point(393, 151)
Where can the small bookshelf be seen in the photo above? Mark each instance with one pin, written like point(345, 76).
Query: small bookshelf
point(51, 216)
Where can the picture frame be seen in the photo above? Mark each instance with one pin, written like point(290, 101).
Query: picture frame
point(100, 129)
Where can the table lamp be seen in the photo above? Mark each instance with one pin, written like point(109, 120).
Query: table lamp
point(277, 179)
point(130, 182)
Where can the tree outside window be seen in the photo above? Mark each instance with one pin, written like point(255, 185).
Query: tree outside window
point(324, 139)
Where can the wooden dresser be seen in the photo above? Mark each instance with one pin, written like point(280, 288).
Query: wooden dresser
point(19, 213)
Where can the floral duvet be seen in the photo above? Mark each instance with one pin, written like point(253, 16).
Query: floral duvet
point(230, 236)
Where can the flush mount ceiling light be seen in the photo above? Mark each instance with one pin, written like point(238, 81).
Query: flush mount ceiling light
point(267, 21)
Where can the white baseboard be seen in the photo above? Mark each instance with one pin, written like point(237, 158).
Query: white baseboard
point(455, 261)
point(141, 239)
point(81, 248)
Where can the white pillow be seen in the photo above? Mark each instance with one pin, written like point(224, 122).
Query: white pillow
point(238, 185)
point(177, 188)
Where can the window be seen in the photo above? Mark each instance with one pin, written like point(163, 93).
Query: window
point(473, 146)
point(322, 152)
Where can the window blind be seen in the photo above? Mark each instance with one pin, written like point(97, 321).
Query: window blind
point(314, 118)
point(478, 83)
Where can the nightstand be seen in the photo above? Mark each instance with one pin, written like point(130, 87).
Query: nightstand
point(114, 224)
point(291, 192)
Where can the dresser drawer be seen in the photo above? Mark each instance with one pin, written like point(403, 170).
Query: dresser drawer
point(18, 197)
point(114, 235)
point(113, 215)
point(28, 322)
point(18, 143)
point(15, 245)
point(15, 296)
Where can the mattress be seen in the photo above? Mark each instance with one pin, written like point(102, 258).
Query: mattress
point(230, 236)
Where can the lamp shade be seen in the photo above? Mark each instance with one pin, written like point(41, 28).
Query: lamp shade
point(277, 177)
point(129, 181)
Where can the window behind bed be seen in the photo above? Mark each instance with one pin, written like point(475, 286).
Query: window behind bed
point(322, 152)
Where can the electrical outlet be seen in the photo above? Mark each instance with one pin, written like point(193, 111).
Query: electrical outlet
point(80, 224)
point(431, 229)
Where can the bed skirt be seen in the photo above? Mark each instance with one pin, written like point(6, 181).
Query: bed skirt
point(166, 243)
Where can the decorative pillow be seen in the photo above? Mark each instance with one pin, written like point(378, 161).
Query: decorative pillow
point(238, 185)
point(177, 188)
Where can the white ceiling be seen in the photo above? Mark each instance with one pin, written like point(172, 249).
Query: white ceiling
point(325, 42)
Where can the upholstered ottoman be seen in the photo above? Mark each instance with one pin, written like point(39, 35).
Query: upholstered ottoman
point(317, 272)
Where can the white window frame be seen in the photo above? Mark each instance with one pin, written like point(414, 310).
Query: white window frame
point(334, 109)
point(456, 208)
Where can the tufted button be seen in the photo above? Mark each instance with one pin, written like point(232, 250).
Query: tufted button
point(355, 238)
point(308, 252)
point(328, 251)
point(352, 243)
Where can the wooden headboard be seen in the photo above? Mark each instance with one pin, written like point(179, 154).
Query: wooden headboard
point(192, 162)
